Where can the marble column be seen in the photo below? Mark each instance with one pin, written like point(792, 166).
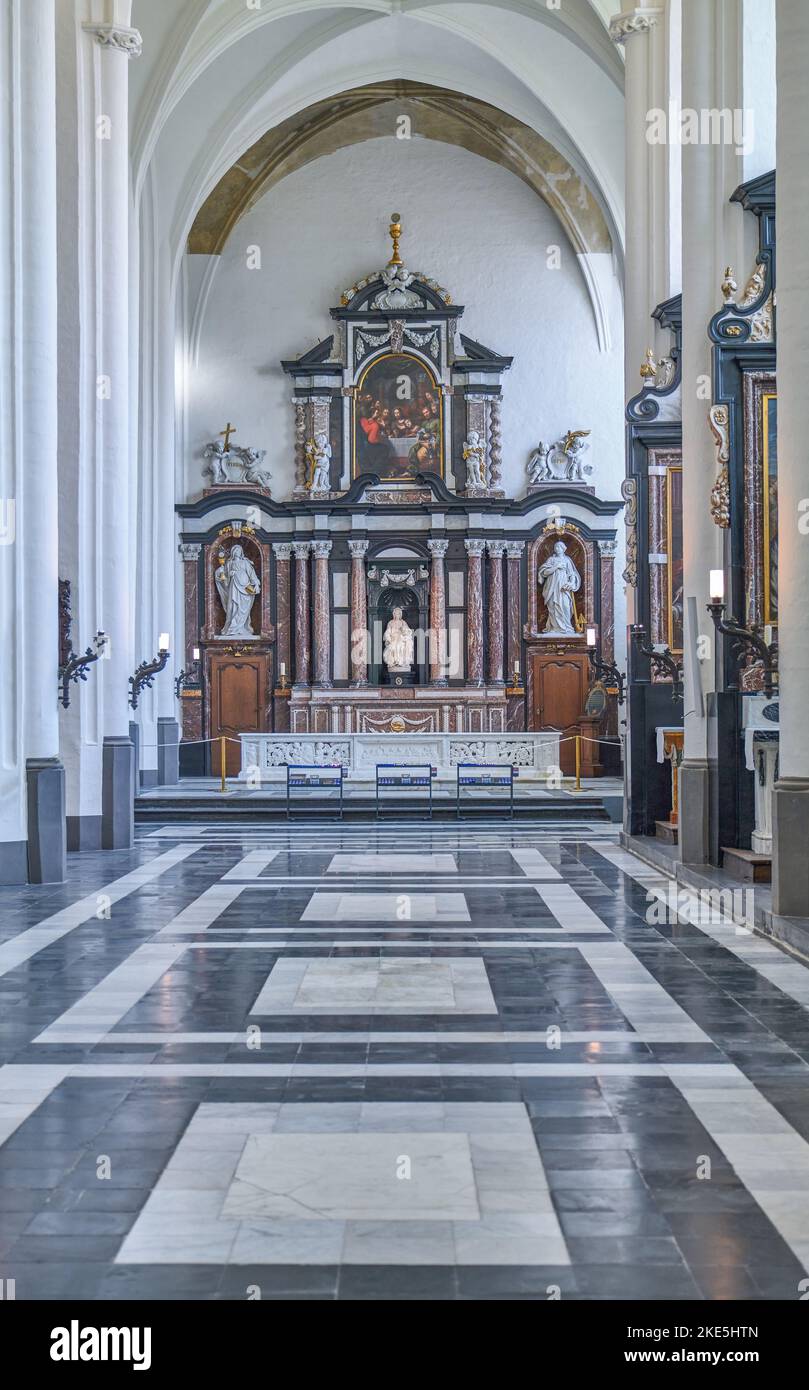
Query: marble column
point(514, 553)
point(322, 615)
point(790, 879)
point(302, 648)
point(439, 644)
point(283, 626)
point(497, 550)
point(359, 613)
point(32, 778)
point(474, 611)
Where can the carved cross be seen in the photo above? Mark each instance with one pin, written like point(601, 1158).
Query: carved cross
point(227, 432)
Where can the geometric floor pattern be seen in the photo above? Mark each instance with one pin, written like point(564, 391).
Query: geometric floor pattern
point(395, 1061)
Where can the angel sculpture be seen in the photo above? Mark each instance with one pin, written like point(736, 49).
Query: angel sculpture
point(473, 451)
point(318, 452)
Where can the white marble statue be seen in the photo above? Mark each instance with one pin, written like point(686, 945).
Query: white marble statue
point(560, 580)
point(397, 652)
point(216, 456)
point(237, 585)
point(235, 465)
point(561, 463)
point(252, 460)
point(318, 452)
point(473, 453)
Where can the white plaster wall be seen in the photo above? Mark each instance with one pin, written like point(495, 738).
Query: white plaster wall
point(477, 229)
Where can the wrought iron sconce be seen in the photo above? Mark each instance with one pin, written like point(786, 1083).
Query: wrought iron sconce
point(191, 675)
point(662, 659)
point(605, 671)
point(146, 672)
point(72, 665)
point(747, 638)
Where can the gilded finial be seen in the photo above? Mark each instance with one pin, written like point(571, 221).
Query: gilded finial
point(395, 231)
point(729, 286)
point(648, 368)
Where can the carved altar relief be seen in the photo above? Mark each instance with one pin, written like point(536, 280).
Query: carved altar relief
point(665, 550)
point(760, 471)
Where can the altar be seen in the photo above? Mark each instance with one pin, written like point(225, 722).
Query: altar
point(264, 757)
point(395, 593)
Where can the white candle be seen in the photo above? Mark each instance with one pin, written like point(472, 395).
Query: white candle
point(283, 668)
point(717, 586)
point(196, 653)
point(163, 642)
point(517, 669)
point(591, 636)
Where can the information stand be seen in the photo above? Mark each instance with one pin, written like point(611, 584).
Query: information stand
point(308, 775)
point(485, 775)
point(405, 775)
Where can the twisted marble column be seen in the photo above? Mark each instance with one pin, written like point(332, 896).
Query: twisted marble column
point(359, 613)
point(494, 663)
point(322, 614)
point(438, 613)
point(474, 611)
point(302, 649)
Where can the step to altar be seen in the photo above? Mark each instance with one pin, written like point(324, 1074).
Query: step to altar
point(665, 831)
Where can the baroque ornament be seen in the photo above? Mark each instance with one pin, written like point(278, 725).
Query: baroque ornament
point(638, 21)
point(127, 41)
point(719, 420)
point(629, 492)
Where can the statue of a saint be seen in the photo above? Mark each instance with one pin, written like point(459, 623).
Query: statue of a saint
point(473, 452)
point(318, 452)
point(237, 585)
point(560, 580)
point(397, 653)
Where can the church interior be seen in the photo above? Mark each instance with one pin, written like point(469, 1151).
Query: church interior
point(404, 786)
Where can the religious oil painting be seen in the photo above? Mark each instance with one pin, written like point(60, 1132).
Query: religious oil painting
point(769, 406)
point(398, 420)
point(674, 521)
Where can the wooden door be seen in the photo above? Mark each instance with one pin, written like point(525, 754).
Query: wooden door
point(240, 694)
point(559, 691)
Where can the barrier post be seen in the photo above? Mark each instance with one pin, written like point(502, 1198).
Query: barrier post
point(222, 760)
point(578, 762)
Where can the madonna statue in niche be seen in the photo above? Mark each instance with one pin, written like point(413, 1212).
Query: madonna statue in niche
point(398, 644)
point(237, 585)
point(560, 580)
point(397, 420)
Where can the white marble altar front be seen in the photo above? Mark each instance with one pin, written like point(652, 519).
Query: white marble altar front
point(265, 756)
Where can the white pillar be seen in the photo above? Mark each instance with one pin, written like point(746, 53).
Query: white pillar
point(713, 236)
point(791, 800)
point(32, 827)
point(97, 467)
point(651, 260)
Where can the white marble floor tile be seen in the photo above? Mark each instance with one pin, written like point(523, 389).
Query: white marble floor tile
point(371, 985)
point(418, 864)
point(534, 864)
point(401, 908)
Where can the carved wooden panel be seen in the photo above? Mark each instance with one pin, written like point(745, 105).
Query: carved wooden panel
point(558, 685)
point(240, 689)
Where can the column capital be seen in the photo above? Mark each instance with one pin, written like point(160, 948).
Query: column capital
point(496, 549)
point(190, 550)
point(301, 549)
point(321, 549)
point(127, 41)
point(282, 549)
point(608, 548)
point(438, 548)
point(514, 549)
point(474, 546)
point(357, 549)
point(638, 20)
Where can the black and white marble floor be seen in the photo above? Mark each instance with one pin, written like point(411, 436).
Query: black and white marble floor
point(395, 1060)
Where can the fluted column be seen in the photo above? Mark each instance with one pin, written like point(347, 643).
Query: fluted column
point(791, 798)
point(514, 552)
point(283, 645)
point(359, 613)
point(32, 783)
point(302, 648)
point(474, 611)
point(322, 614)
point(439, 647)
point(494, 663)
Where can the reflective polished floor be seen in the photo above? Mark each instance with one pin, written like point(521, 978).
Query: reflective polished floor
point(395, 1061)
